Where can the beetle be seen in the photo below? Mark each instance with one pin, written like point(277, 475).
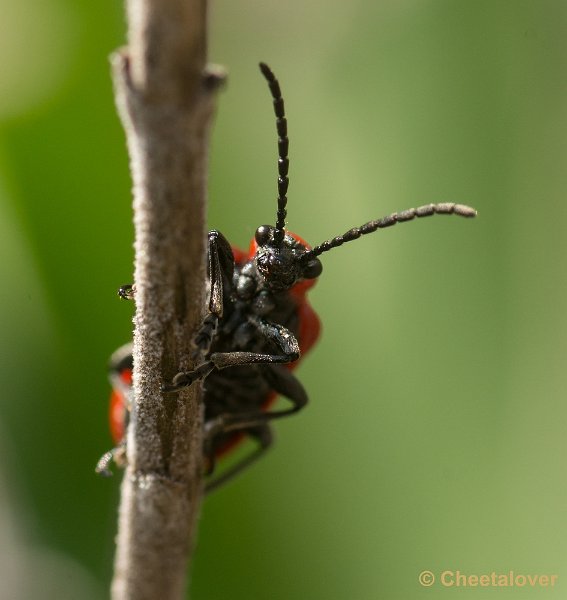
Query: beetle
point(258, 325)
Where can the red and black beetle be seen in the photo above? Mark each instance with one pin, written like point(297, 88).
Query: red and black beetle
point(258, 324)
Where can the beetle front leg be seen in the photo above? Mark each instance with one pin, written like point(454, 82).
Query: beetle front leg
point(220, 270)
point(281, 336)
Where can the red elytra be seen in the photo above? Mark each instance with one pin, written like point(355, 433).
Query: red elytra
point(309, 331)
point(118, 410)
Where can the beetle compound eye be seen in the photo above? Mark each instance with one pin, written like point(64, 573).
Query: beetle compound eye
point(313, 269)
point(263, 235)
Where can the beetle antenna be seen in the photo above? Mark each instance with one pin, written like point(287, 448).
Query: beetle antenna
point(445, 208)
point(283, 145)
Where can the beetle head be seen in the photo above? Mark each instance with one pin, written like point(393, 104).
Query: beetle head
point(280, 262)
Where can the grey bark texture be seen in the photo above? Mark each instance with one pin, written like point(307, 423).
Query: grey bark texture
point(165, 96)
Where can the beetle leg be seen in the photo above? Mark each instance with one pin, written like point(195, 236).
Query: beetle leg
point(283, 382)
point(127, 292)
point(117, 454)
point(220, 269)
point(282, 337)
point(254, 424)
point(262, 435)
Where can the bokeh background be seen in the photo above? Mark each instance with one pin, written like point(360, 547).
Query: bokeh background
point(436, 434)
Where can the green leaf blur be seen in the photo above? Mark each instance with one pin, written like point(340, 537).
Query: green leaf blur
point(435, 437)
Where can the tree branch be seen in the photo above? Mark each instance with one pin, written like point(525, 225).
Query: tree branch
point(165, 99)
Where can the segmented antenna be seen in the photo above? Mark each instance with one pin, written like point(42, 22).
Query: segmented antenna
point(446, 208)
point(283, 146)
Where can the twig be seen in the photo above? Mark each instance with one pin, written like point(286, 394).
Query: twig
point(165, 99)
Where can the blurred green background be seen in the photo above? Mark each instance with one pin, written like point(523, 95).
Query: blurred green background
point(436, 434)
